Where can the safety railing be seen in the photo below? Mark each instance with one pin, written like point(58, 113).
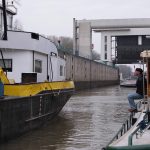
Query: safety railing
point(126, 125)
point(139, 129)
point(124, 128)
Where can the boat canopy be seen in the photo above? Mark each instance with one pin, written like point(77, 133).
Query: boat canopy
point(145, 53)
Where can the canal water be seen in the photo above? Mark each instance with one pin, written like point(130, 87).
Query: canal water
point(88, 121)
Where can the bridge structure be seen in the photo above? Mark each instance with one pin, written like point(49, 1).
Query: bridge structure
point(126, 37)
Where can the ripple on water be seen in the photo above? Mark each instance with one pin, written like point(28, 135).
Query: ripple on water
point(88, 122)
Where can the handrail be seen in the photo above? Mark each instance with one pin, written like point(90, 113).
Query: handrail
point(125, 126)
point(132, 134)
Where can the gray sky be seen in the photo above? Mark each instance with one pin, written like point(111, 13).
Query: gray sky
point(55, 17)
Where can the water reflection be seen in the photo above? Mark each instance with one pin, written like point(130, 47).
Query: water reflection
point(50, 137)
point(88, 121)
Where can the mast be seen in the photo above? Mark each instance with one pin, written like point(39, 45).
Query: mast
point(5, 20)
point(5, 30)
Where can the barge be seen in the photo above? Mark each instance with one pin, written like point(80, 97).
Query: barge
point(33, 88)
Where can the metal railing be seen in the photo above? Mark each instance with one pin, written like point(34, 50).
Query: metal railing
point(139, 129)
point(124, 128)
point(126, 125)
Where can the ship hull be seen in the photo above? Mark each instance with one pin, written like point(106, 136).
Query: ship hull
point(22, 114)
point(135, 147)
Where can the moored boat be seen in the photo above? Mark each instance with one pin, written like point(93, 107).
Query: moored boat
point(33, 88)
point(128, 83)
point(135, 132)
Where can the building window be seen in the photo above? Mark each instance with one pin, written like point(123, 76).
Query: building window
point(35, 36)
point(105, 39)
point(105, 48)
point(61, 70)
point(38, 66)
point(8, 65)
point(105, 55)
point(139, 40)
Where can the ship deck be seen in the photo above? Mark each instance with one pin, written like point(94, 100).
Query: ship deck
point(138, 139)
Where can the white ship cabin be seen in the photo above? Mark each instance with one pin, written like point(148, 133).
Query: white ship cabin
point(29, 57)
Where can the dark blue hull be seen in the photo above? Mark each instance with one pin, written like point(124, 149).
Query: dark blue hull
point(21, 114)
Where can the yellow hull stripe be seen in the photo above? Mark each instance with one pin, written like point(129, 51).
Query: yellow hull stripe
point(35, 88)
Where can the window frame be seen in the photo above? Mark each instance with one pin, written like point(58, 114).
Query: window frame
point(38, 70)
point(8, 65)
point(61, 70)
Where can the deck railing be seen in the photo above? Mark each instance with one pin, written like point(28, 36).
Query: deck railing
point(124, 128)
point(126, 125)
point(142, 127)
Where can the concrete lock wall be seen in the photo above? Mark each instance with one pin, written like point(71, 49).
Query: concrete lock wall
point(89, 74)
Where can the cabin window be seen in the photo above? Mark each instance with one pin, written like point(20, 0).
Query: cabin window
point(35, 36)
point(38, 66)
point(61, 70)
point(8, 65)
point(64, 71)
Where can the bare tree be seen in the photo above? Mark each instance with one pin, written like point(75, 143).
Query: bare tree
point(125, 70)
point(54, 39)
point(95, 55)
point(67, 42)
point(63, 43)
